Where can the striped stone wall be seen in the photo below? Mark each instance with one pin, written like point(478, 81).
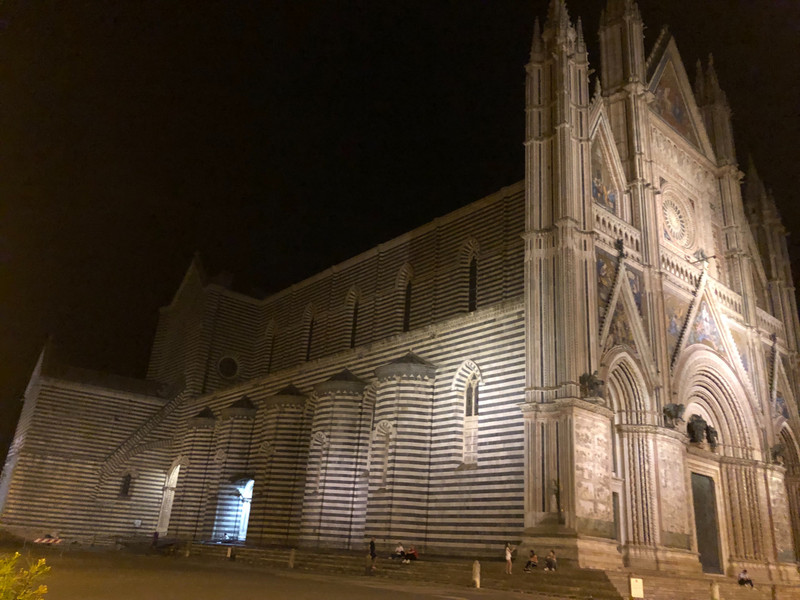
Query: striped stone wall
point(56, 484)
point(206, 322)
point(317, 455)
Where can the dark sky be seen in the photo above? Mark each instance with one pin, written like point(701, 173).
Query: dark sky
point(278, 138)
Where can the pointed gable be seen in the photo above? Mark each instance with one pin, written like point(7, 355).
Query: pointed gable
point(670, 104)
point(673, 98)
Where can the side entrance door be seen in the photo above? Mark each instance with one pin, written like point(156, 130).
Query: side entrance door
point(705, 519)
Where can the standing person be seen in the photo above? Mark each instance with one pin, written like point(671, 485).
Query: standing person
point(372, 554)
point(509, 552)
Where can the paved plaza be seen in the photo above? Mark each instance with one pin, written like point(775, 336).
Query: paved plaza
point(119, 576)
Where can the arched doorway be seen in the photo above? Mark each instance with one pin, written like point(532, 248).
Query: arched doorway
point(233, 510)
point(167, 499)
point(633, 473)
point(726, 461)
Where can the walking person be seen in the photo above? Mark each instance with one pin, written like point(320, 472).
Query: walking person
point(372, 553)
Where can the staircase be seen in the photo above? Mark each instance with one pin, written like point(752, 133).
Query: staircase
point(568, 583)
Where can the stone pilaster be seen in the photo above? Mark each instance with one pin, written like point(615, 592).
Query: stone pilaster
point(568, 503)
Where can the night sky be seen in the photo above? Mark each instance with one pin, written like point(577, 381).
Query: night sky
point(279, 138)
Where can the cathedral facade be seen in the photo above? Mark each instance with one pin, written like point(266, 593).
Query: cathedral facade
point(601, 359)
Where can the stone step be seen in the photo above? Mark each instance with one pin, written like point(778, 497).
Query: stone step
point(567, 583)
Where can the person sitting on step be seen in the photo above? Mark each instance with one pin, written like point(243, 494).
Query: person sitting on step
point(533, 562)
point(411, 554)
point(550, 562)
point(399, 551)
point(744, 578)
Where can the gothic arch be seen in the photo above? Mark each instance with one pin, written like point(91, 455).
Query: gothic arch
point(467, 369)
point(404, 276)
point(469, 249)
point(628, 392)
point(353, 296)
point(791, 450)
point(709, 387)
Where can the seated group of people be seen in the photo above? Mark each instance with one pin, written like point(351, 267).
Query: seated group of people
point(405, 555)
point(550, 562)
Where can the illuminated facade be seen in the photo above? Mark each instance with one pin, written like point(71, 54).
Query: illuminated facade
point(601, 359)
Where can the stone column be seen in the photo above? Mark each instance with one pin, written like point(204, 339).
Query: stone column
point(232, 464)
point(280, 459)
point(335, 500)
point(641, 517)
point(400, 450)
point(190, 502)
point(793, 497)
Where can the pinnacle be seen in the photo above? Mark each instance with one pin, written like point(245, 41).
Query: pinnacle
point(714, 91)
point(536, 44)
point(616, 9)
point(699, 82)
point(557, 15)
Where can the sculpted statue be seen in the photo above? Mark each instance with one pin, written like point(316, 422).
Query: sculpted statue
point(591, 385)
point(672, 414)
point(696, 428)
point(712, 436)
point(777, 453)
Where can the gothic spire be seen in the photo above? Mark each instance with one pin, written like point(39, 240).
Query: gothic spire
point(617, 9)
point(713, 90)
point(557, 15)
point(536, 44)
point(699, 82)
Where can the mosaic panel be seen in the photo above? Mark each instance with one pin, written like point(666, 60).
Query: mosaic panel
point(676, 310)
point(671, 106)
point(705, 330)
point(604, 191)
point(780, 404)
point(620, 332)
point(606, 268)
point(741, 346)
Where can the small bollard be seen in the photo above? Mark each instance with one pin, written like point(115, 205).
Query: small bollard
point(714, 590)
point(291, 558)
point(230, 555)
point(476, 574)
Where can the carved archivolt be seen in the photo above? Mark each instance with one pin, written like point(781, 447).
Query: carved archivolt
point(384, 429)
point(319, 439)
point(467, 369)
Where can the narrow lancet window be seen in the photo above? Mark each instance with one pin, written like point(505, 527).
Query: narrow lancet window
point(473, 285)
point(407, 308)
point(354, 325)
point(310, 339)
point(471, 421)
